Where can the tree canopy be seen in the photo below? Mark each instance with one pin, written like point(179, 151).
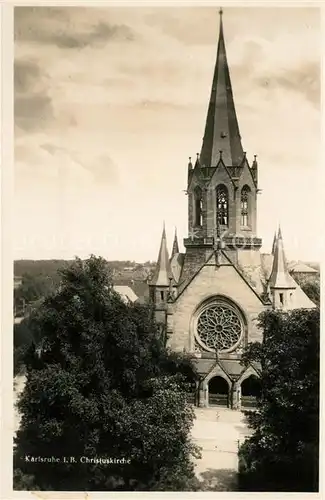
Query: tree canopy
point(282, 453)
point(102, 385)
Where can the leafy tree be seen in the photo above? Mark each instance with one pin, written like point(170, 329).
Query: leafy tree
point(311, 287)
point(23, 338)
point(282, 453)
point(312, 290)
point(100, 384)
point(34, 287)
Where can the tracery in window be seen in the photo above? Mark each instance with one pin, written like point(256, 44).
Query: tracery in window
point(198, 207)
point(219, 327)
point(222, 205)
point(244, 206)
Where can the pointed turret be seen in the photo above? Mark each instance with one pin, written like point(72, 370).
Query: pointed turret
point(274, 243)
point(162, 271)
point(175, 249)
point(254, 169)
point(221, 129)
point(280, 277)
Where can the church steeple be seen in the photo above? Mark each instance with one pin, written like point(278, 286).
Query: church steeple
point(222, 187)
point(175, 249)
point(162, 273)
point(221, 129)
point(280, 281)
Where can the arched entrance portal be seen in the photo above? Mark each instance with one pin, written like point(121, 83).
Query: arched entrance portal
point(250, 390)
point(218, 392)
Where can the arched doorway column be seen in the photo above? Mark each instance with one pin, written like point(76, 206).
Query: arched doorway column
point(236, 396)
point(207, 388)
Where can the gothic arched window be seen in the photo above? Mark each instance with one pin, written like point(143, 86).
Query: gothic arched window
point(198, 206)
point(222, 205)
point(244, 206)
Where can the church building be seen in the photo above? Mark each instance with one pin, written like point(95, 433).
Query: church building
point(208, 299)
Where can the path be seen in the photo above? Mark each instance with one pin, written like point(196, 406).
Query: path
point(219, 439)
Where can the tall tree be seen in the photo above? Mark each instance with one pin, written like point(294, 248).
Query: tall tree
point(102, 386)
point(282, 453)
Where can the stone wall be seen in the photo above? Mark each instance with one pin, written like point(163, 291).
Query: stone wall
point(211, 281)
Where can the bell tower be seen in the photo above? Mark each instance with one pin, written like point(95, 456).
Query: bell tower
point(222, 185)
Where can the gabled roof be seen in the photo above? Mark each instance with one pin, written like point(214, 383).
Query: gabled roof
point(227, 262)
point(221, 129)
point(175, 248)
point(301, 267)
point(176, 264)
point(126, 293)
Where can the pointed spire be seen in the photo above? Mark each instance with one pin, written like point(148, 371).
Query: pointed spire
point(274, 243)
point(197, 163)
point(221, 129)
point(175, 249)
point(190, 166)
point(163, 271)
point(280, 277)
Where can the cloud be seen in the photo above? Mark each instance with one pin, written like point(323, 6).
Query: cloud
point(304, 79)
point(26, 74)
point(187, 31)
point(33, 112)
point(54, 26)
point(33, 106)
point(101, 167)
point(260, 64)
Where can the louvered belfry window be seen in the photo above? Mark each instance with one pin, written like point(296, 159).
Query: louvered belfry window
point(244, 206)
point(198, 207)
point(222, 205)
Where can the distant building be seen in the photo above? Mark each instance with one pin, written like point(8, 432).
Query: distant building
point(126, 293)
point(303, 272)
point(208, 298)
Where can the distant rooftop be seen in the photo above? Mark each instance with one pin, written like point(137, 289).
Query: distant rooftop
point(126, 293)
point(301, 267)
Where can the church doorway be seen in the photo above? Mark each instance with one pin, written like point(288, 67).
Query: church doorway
point(250, 390)
point(218, 392)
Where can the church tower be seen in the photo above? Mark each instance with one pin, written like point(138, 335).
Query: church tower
point(209, 298)
point(222, 186)
point(280, 282)
point(161, 281)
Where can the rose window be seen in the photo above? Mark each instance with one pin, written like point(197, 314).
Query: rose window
point(219, 327)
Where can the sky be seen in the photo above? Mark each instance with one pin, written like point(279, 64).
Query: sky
point(111, 102)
